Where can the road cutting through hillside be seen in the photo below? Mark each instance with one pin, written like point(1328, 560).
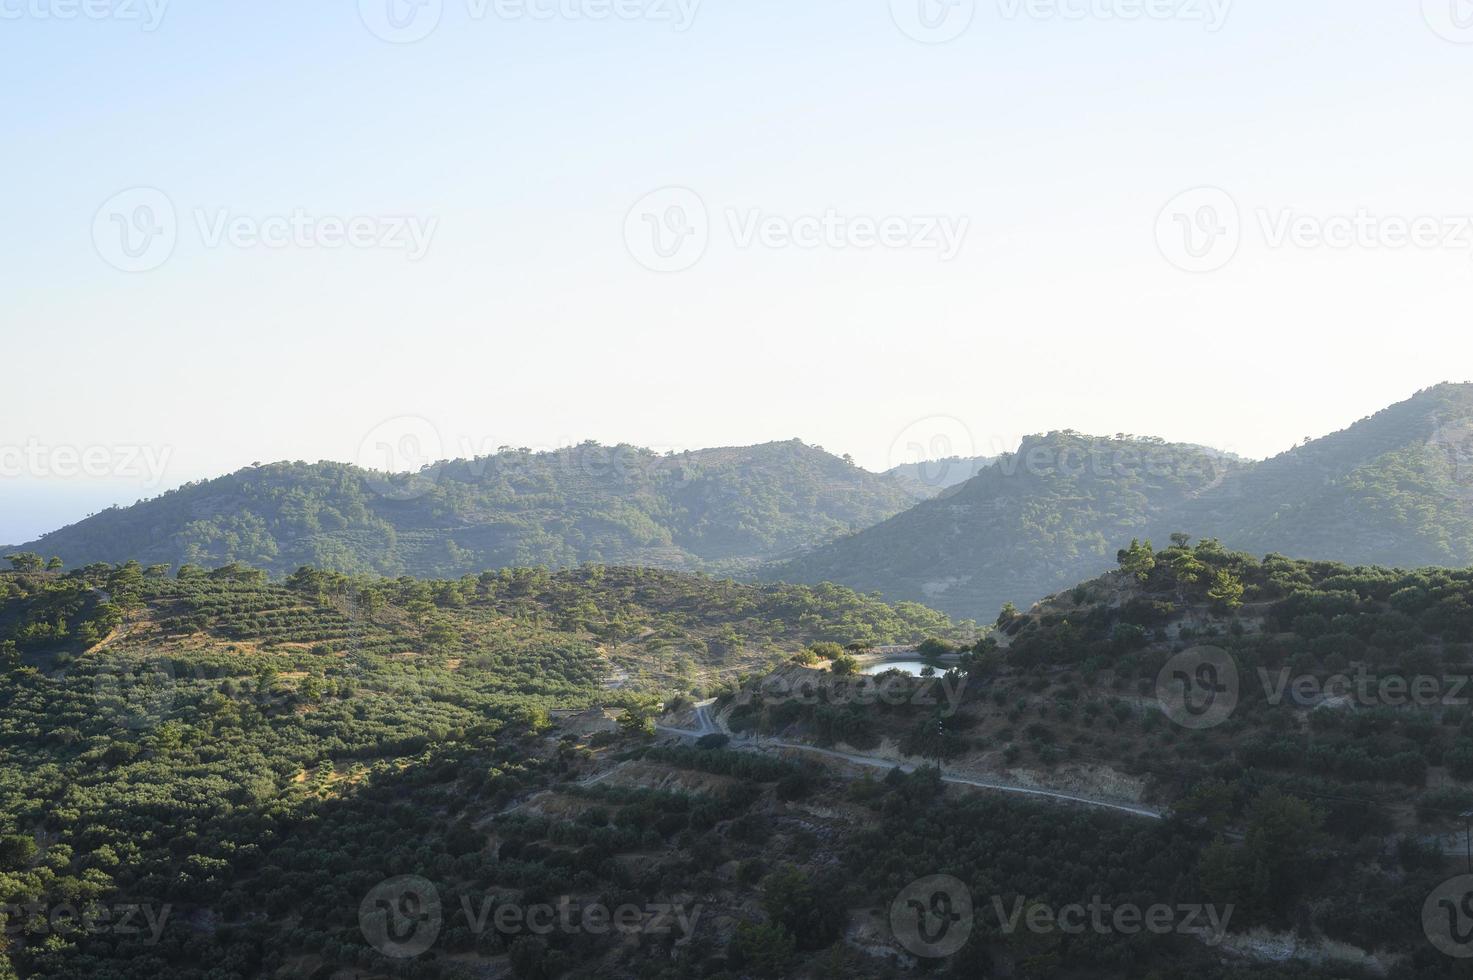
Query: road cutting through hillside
point(707, 726)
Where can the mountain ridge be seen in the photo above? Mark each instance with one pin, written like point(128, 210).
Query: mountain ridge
point(1395, 488)
point(717, 509)
point(1051, 513)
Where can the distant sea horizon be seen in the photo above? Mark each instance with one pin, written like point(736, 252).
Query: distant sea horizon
point(30, 508)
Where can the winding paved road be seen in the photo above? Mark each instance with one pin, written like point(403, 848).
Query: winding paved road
point(707, 726)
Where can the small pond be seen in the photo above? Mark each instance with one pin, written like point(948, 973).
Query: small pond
point(912, 667)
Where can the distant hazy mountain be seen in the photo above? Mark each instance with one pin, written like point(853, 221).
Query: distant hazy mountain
point(1393, 489)
point(934, 477)
point(717, 509)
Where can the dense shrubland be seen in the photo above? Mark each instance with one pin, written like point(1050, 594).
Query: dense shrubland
point(254, 755)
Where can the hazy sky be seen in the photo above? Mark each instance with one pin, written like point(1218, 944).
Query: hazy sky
point(239, 232)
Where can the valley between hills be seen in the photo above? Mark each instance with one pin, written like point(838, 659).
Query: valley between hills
point(1392, 489)
point(840, 705)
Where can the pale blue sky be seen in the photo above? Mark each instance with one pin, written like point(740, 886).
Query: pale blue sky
point(524, 143)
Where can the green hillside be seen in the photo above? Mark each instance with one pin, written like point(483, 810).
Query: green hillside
point(1035, 521)
point(1393, 489)
point(1314, 779)
point(257, 765)
point(187, 742)
point(719, 509)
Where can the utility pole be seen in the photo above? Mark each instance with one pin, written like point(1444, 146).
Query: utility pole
point(1468, 837)
point(941, 745)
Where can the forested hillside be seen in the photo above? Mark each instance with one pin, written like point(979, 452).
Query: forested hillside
point(256, 768)
point(1036, 520)
point(1338, 709)
point(1394, 489)
point(228, 747)
point(1305, 728)
point(718, 509)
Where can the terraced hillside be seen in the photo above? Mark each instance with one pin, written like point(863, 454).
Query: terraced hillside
point(184, 742)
